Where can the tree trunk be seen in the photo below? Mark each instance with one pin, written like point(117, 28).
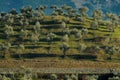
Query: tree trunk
point(20, 56)
point(64, 53)
point(6, 54)
point(3, 55)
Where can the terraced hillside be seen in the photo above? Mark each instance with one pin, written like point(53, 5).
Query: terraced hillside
point(65, 34)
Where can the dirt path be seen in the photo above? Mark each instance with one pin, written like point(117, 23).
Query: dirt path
point(44, 63)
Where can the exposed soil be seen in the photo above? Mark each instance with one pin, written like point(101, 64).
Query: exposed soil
point(45, 63)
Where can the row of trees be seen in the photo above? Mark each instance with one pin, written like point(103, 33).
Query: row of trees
point(22, 74)
point(84, 77)
point(28, 74)
point(38, 14)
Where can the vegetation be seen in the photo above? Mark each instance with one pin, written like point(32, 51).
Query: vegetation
point(33, 28)
point(64, 32)
point(28, 74)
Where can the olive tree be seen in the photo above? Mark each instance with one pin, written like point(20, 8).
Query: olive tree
point(79, 35)
point(66, 31)
point(112, 50)
point(113, 21)
point(63, 25)
point(50, 37)
point(25, 24)
point(84, 32)
point(71, 77)
point(13, 11)
point(34, 38)
point(74, 31)
point(81, 47)
point(112, 17)
point(59, 11)
point(116, 76)
point(67, 77)
point(74, 77)
point(65, 47)
point(5, 48)
point(97, 15)
point(24, 74)
point(5, 78)
point(8, 30)
point(37, 15)
point(37, 27)
point(53, 77)
point(10, 20)
point(65, 38)
point(23, 9)
point(111, 27)
point(54, 14)
point(23, 34)
point(94, 25)
point(66, 19)
point(91, 77)
point(20, 50)
point(83, 11)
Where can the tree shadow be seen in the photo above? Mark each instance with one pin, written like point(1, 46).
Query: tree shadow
point(44, 55)
point(77, 27)
point(45, 40)
point(34, 55)
point(1, 31)
point(92, 29)
point(103, 30)
point(52, 27)
point(59, 33)
point(50, 22)
point(33, 47)
point(105, 76)
point(96, 39)
point(3, 36)
point(81, 56)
